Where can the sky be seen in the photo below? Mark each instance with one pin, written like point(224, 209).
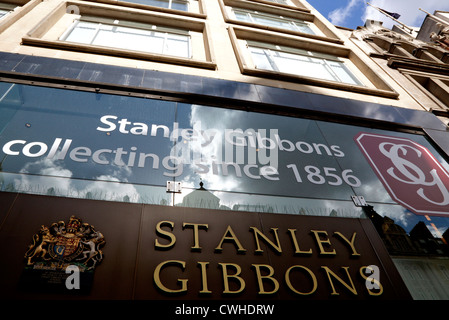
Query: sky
point(353, 13)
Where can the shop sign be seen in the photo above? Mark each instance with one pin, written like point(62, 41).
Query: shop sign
point(409, 172)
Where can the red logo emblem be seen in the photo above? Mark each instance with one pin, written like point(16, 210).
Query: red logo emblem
point(409, 172)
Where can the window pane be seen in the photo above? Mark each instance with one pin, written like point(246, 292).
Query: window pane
point(261, 59)
point(177, 45)
point(300, 65)
point(242, 16)
point(303, 27)
point(343, 73)
point(3, 13)
point(272, 20)
point(125, 38)
point(84, 32)
point(159, 3)
point(176, 5)
point(303, 64)
point(130, 38)
point(179, 5)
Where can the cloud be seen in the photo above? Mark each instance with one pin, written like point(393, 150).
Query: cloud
point(339, 15)
point(408, 9)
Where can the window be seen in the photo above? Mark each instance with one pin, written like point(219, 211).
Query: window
point(303, 60)
point(434, 87)
point(289, 20)
point(279, 1)
point(300, 62)
point(120, 34)
point(130, 33)
point(272, 20)
point(182, 5)
point(6, 8)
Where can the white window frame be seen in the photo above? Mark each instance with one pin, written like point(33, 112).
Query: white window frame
point(279, 1)
point(271, 51)
point(170, 4)
point(165, 31)
point(292, 22)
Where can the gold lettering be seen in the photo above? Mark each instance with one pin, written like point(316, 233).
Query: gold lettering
point(166, 234)
point(226, 277)
point(257, 233)
point(295, 243)
point(351, 287)
point(350, 242)
point(157, 278)
point(267, 277)
point(204, 288)
point(320, 242)
point(312, 276)
point(196, 227)
point(229, 235)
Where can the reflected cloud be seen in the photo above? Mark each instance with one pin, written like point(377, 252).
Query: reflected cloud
point(51, 178)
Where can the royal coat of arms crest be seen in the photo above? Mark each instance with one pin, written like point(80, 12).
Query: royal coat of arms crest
point(59, 246)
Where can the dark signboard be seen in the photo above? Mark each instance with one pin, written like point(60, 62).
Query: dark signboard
point(169, 253)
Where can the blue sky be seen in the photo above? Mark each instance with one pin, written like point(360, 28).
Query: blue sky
point(353, 13)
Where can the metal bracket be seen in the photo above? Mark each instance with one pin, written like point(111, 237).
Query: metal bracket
point(174, 187)
point(359, 201)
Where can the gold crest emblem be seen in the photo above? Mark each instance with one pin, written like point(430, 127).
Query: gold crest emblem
point(55, 248)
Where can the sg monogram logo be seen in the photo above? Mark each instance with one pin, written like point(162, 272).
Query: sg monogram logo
point(409, 172)
point(412, 172)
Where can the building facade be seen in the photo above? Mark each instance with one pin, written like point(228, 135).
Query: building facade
point(207, 150)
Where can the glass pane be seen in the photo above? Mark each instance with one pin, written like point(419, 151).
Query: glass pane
point(302, 27)
point(83, 32)
point(237, 152)
point(177, 45)
point(301, 65)
point(242, 16)
point(52, 131)
point(202, 197)
point(179, 5)
point(176, 5)
point(131, 39)
point(404, 232)
point(261, 59)
point(122, 37)
point(159, 3)
point(271, 22)
point(3, 13)
point(343, 74)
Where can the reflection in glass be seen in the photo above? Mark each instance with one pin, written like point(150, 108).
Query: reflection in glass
point(205, 198)
point(117, 148)
point(83, 189)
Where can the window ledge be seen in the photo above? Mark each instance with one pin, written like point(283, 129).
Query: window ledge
point(318, 82)
point(79, 47)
